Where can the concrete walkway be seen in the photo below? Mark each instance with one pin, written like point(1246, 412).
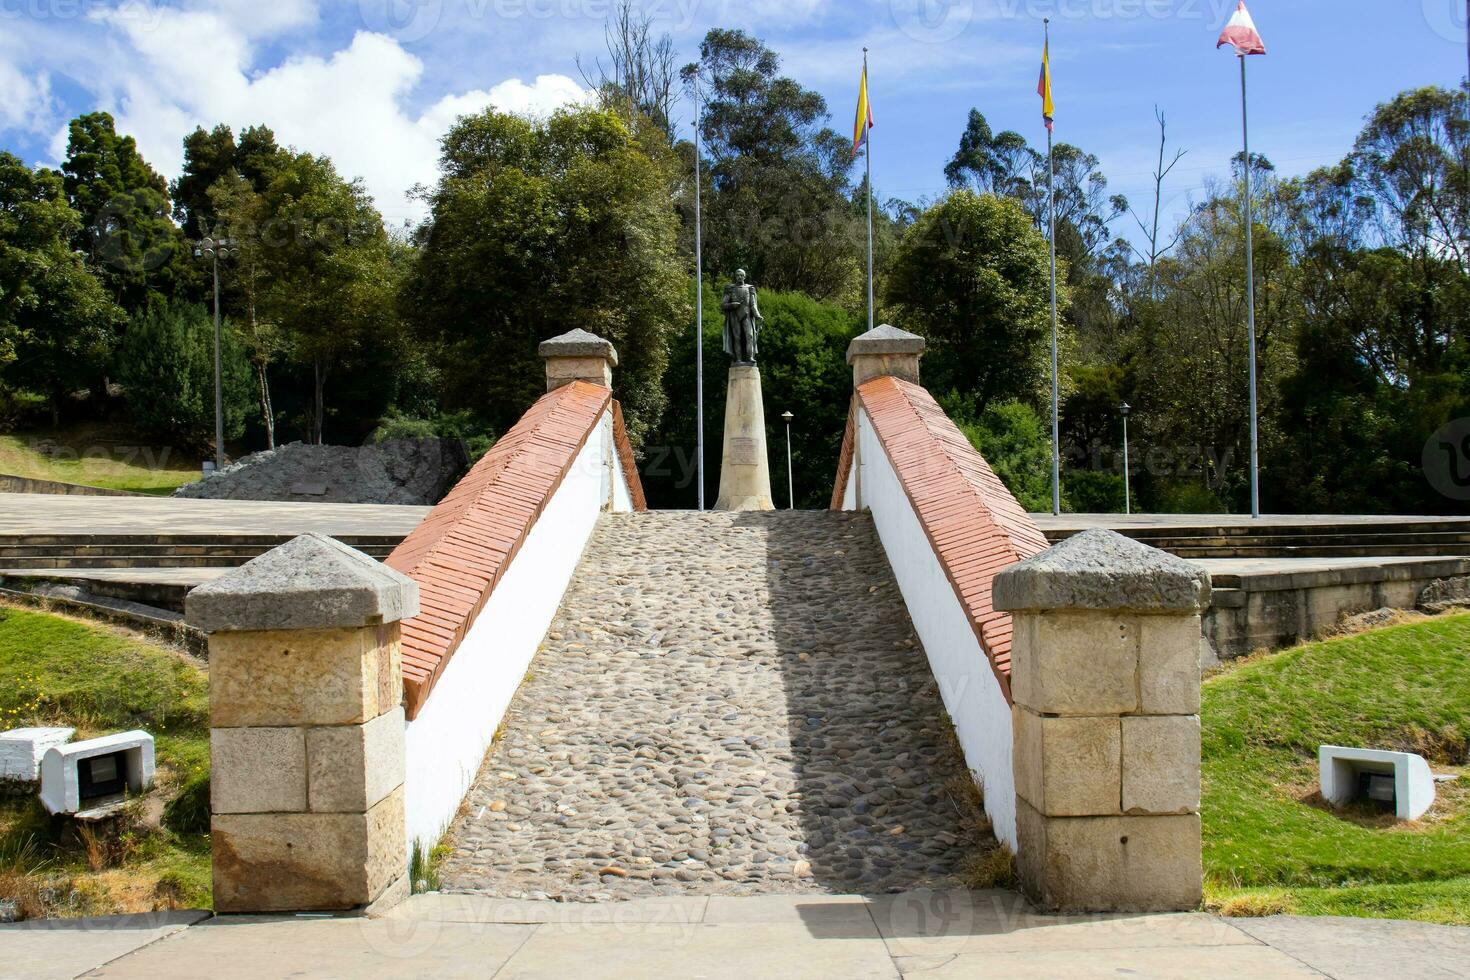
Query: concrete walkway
point(39, 513)
point(928, 934)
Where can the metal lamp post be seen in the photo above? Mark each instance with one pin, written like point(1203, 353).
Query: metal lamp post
point(1125, 409)
point(790, 480)
point(215, 249)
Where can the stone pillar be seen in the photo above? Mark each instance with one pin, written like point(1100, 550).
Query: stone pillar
point(306, 736)
point(578, 356)
point(745, 466)
point(1105, 679)
point(885, 350)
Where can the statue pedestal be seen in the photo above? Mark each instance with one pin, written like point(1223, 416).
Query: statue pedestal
point(745, 469)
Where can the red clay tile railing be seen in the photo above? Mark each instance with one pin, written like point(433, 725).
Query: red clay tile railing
point(974, 525)
point(465, 545)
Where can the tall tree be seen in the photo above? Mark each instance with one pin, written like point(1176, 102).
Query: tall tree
point(241, 214)
point(779, 177)
point(57, 323)
point(1157, 243)
point(972, 275)
point(537, 227)
point(127, 235)
point(1413, 156)
point(641, 71)
point(325, 259)
point(209, 156)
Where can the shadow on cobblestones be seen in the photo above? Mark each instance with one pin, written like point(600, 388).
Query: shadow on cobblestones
point(725, 704)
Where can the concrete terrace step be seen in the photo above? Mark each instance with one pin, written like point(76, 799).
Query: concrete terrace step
point(725, 704)
point(1281, 537)
point(59, 551)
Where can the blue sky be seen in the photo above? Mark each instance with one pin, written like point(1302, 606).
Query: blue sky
point(373, 83)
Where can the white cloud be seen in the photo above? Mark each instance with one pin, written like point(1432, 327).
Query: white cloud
point(196, 65)
point(27, 105)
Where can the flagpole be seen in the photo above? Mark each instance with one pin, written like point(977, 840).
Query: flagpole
point(1056, 426)
point(698, 307)
point(868, 145)
point(1250, 298)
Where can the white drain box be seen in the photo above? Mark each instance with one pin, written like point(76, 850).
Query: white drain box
point(1373, 775)
point(94, 773)
point(21, 751)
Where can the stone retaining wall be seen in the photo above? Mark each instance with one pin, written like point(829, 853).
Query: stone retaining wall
point(24, 484)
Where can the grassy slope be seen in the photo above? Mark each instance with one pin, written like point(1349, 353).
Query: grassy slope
point(56, 670)
point(1269, 842)
point(97, 456)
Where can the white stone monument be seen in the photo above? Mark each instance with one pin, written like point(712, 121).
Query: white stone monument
point(96, 772)
point(21, 751)
point(745, 467)
point(1402, 778)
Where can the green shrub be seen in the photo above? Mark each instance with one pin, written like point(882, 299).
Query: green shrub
point(188, 813)
point(166, 366)
point(1094, 492)
point(1014, 440)
point(1191, 498)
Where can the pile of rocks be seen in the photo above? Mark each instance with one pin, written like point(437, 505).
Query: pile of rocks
point(407, 471)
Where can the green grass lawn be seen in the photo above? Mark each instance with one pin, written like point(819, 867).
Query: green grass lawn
point(97, 456)
point(56, 670)
point(1269, 841)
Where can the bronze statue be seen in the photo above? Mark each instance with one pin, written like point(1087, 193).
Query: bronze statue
point(743, 320)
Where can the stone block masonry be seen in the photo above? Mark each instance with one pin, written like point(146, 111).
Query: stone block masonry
point(306, 729)
point(1106, 692)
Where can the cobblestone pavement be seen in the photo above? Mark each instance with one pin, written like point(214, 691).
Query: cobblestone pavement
point(725, 704)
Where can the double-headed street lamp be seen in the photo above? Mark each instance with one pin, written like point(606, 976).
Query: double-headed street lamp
point(1125, 410)
point(215, 249)
point(790, 480)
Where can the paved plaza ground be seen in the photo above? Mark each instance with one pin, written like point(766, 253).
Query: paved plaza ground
point(918, 934)
point(39, 513)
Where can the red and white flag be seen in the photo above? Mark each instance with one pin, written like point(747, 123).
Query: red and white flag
point(1241, 32)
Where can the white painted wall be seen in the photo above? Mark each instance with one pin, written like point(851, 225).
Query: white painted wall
point(971, 694)
point(447, 741)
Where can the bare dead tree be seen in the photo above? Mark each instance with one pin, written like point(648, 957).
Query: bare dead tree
point(641, 71)
point(1150, 227)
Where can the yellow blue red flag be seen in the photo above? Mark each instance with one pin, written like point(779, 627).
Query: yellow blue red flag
point(864, 120)
point(1043, 88)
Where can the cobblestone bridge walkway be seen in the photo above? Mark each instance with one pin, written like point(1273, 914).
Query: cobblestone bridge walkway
point(725, 704)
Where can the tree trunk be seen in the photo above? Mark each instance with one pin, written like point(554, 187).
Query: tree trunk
point(267, 413)
point(267, 410)
point(319, 370)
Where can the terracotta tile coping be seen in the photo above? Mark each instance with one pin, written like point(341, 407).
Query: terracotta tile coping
point(976, 528)
point(461, 550)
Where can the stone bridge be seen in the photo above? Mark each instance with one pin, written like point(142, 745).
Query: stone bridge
point(584, 701)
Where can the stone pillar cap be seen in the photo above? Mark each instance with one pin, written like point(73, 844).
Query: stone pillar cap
point(1101, 569)
point(310, 582)
point(579, 343)
point(885, 339)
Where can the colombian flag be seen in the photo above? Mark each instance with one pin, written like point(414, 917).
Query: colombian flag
point(1043, 88)
point(864, 120)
